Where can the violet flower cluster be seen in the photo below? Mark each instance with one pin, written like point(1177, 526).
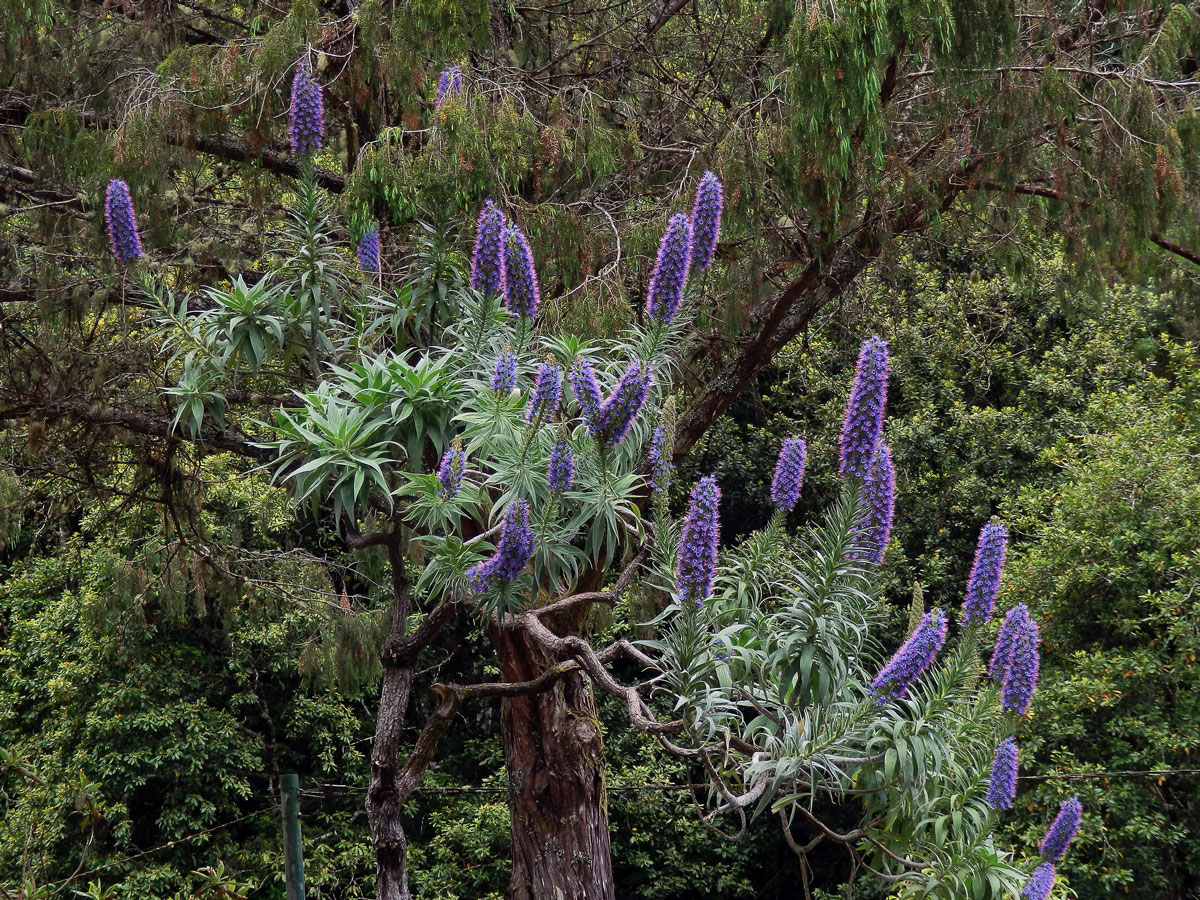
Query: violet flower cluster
point(696, 564)
point(521, 293)
point(450, 472)
point(863, 424)
point(1002, 783)
point(586, 391)
point(513, 551)
point(122, 224)
point(547, 392)
point(487, 262)
point(1015, 660)
point(1062, 830)
point(789, 474)
point(612, 421)
point(670, 274)
point(661, 466)
point(706, 220)
point(1040, 883)
point(878, 492)
point(914, 656)
point(984, 583)
point(561, 471)
point(504, 374)
point(449, 84)
point(307, 119)
point(368, 251)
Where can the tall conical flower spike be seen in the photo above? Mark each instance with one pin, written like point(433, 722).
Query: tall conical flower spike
point(696, 565)
point(450, 473)
point(449, 84)
point(504, 374)
point(587, 393)
point(1002, 783)
point(521, 293)
point(1011, 631)
point(864, 413)
point(706, 220)
point(561, 471)
point(513, 551)
point(1062, 830)
point(789, 474)
point(1040, 883)
point(307, 119)
point(984, 583)
point(487, 262)
point(878, 492)
point(661, 466)
point(914, 656)
point(547, 392)
point(670, 270)
point(368, 251)
point(1021, 677)
point(122, 224)
point(615, 417)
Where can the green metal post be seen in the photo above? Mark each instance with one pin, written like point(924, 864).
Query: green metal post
point(293, 849)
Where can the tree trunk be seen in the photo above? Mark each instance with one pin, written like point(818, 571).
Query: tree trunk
point(384, 797)
point(554, 754)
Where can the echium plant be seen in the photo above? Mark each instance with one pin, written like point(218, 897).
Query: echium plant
point(775, 652)
point(123, 235)
point(449, 84)
point(773, 658)
point(307, 113)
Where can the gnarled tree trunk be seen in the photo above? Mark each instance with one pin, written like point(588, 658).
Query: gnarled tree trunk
point(554, 754)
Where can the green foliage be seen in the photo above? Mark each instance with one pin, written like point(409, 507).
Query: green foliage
point(1112, 565)
point(146, 687)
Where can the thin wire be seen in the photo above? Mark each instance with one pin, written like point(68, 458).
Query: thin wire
point(274, 810)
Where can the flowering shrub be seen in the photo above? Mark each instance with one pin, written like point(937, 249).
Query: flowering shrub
point(770, 654)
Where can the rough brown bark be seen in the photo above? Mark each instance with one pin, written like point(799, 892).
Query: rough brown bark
point(554, 755)
point(384, 797)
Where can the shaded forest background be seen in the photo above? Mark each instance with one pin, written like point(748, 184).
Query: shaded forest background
point(174, 634)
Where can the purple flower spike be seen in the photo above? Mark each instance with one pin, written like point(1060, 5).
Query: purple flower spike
point(670, 270)
point(307, 123)
point(614, 418)
point(1040, 883)
point(562, 467)
point(864, 413)
point(697, 562)
point(706, 220)
point(521, 293)
point(878, 492)
point(504, 375)
point(1021, 675)
point(587, 392)
point(1062, 830)
point(984, 583)
point(513, 551)
point(660, 460)
point(914, 656)
point(487, 262)
point(547, 392)
point(450, 473)
point(368, 251)
point(1011, 631)
point(449, 84)
point(122, 224)
point(1002, 784)
point(789, 474)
